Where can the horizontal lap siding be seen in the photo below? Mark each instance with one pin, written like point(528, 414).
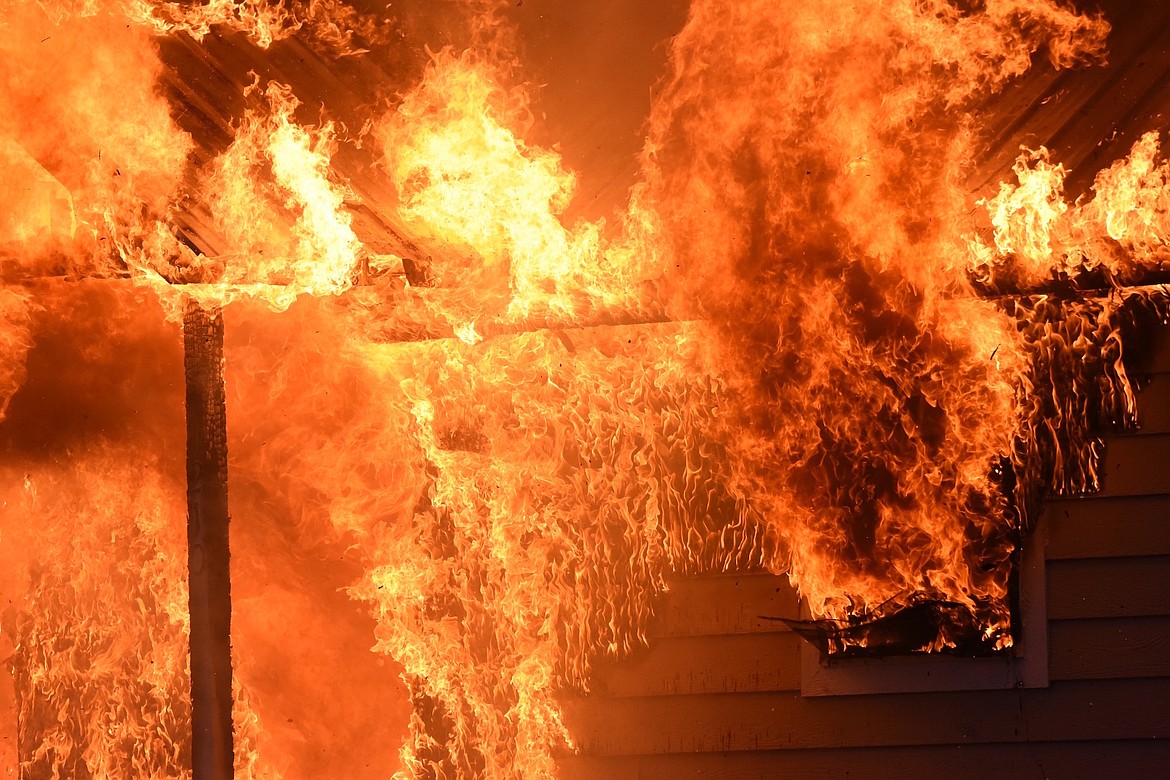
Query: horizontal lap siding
point(1119, 587)
point(717, 693)
point(1108, 759)
point(1094, 527)
point(1072, 710)
point(1109, 648)
point(726, 663)
point(724, 604)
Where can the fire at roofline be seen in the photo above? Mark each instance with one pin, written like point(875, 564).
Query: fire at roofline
point(511, 334)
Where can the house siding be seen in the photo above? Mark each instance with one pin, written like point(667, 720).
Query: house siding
point(717, 692)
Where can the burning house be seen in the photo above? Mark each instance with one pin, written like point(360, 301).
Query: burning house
point(526, 389)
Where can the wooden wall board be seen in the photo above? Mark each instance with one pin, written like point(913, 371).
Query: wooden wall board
point(576, 767)
point(1136, 465)
point(1097, 648)
point(1095, 527)
point(724, 604)
point(1153, 404)
point(710, 664)
point(1109, 648)
point(1088, 760)
point(1110, 587)
point(1155, 355)
point(1068, 711)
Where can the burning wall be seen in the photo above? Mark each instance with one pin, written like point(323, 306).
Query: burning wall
point(798, 346)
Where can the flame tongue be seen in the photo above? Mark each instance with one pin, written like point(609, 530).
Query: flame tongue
point(809, 181)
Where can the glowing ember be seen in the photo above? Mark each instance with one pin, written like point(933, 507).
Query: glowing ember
point(794, 348)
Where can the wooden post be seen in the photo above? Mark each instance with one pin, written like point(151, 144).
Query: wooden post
point(207, 545)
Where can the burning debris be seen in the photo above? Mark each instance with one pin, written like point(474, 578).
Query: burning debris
point(803, 345)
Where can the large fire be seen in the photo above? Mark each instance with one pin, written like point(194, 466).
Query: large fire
point(469, 436)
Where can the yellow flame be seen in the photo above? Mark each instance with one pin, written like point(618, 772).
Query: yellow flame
point(1123, 227)
point(466, 179)
point(288, 238)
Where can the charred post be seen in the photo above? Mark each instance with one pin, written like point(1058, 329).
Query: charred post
point(207, 544)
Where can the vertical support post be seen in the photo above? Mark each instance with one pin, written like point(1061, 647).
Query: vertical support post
point(207, 544)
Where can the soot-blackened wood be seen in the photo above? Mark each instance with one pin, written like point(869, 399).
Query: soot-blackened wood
point(207, 545)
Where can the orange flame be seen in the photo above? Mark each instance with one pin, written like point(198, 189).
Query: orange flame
point(809, 179)
point(776, 358)
point(468, 181)
point(1039, 235)
point(279, 250)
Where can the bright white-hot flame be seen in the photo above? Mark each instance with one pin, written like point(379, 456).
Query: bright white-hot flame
point(1024, 215)
point(327, 250)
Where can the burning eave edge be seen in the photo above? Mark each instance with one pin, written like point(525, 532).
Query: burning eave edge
point(793, 351)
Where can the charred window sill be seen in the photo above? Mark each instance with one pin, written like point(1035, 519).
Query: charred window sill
point(1025, 665)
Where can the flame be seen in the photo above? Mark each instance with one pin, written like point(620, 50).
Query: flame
point(15, 343)
point(466, 179)
point(121, 161)
point(781, 355)
point(93, 541)
point(100, 659)
point(109, 546)
point(1038, 235)
point(286, 238)
point(331, 24)
point(523, 524)
point(810, 181)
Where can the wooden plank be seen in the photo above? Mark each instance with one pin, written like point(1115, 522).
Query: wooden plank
point(1156, 357)
point(1096, 527)
point(904, 674)
point(1029, 761)
point(724, 604)
point(710, 664)
point(207, 545)
point(573, 767)
point(1111, 587)
point(1153, 404)
point(1109, 649)
point(1136, 465)
point(1068, 711)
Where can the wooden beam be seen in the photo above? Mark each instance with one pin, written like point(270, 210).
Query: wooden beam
point(207, 545)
